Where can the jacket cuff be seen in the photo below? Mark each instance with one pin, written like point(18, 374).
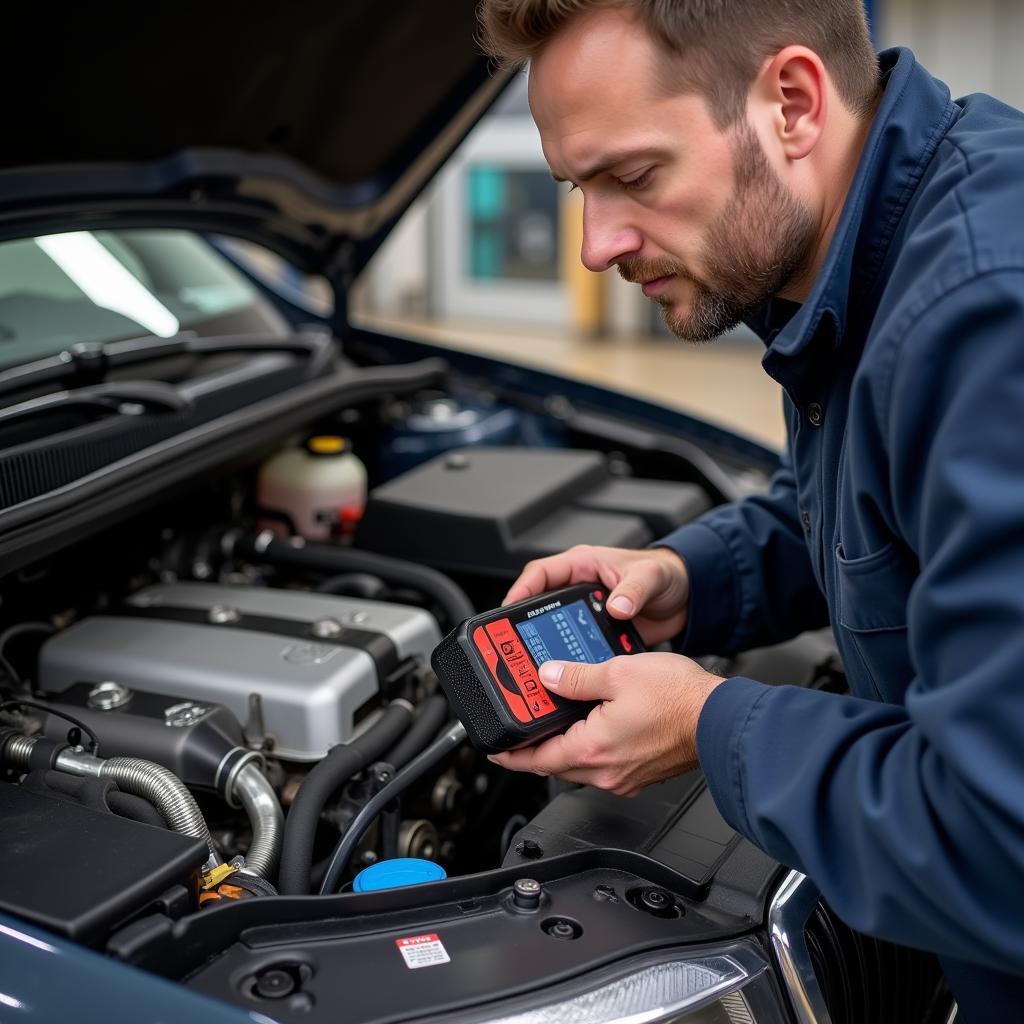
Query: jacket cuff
point(714, 590)
point(720, 728)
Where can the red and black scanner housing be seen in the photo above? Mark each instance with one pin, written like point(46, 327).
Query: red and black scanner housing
point(489, 665)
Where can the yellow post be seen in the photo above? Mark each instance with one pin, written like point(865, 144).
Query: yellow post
point(586, 289)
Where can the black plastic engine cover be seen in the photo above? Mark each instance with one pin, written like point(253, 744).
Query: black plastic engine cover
point(80, 872)
point(488, 510)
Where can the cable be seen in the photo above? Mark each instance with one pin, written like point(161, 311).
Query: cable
point(431, 713)
point(59, 714)
point(16, 630)
point(326, 559)
point(361, 822)
point(340, 764)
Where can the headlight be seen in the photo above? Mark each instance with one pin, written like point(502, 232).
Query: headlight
point(726, 985)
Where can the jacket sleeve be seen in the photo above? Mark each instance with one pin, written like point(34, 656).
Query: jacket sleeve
point(751, 581)
point(911, 818)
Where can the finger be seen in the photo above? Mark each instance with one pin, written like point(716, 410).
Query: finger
point(552, 757)
point(535, 579)
point(579, 564)
point(641, 582)
point(577, 681)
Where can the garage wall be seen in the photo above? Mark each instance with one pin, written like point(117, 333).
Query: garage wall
point(973, 45)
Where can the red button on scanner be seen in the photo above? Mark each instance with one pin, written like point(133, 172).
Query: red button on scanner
point(626, 645)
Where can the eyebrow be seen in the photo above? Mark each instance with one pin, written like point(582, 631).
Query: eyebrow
point(606, 163)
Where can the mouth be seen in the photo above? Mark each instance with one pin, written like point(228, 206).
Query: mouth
point(656, 285)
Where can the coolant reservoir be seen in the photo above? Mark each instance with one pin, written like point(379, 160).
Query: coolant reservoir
point(320, 488)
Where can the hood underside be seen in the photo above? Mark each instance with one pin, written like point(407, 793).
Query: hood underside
point(308, 126)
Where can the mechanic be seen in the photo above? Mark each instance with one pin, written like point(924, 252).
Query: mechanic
point(755, 160)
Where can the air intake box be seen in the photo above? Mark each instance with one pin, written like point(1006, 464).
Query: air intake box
point(491, 510)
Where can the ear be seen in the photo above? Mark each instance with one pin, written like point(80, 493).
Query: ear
point(793, 85)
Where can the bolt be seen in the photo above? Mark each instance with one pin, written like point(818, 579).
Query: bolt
point(457, 461)
point(327, 629)
point(526, 893)
point(108, 695)
point(222, 615)
point(177, 716)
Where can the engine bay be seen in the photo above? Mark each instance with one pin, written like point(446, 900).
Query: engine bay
point(202, 704)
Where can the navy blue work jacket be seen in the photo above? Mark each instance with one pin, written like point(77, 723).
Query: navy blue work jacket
point(898, 519)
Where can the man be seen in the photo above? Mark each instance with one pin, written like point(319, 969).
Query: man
point(753, 159)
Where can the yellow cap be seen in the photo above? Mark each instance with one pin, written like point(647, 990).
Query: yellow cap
point(326, 444)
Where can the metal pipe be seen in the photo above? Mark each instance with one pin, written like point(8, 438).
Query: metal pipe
point(259, 801)
point(158, 785)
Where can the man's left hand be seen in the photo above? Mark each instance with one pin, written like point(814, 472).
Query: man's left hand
point(644, 730)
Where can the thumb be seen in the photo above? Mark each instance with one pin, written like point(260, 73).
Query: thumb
point(641, 582)
point(576, 681)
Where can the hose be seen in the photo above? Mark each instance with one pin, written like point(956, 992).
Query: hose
point(417, 767)
point(325, 558)
point(259, 801)
point(431, 713)
point(159, 786)
point(153, 782)
point(340, 764)
point(126, 805)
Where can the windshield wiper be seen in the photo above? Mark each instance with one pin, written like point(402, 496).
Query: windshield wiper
point(126, 398)
point(94, 359)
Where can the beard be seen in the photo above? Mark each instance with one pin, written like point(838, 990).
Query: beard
point(760, 242)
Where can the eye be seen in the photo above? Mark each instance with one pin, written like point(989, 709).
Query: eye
point(640, 181)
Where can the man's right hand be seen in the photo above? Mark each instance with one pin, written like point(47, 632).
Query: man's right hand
point(650, 586)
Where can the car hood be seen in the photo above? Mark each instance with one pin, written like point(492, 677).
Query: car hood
point(307, 127)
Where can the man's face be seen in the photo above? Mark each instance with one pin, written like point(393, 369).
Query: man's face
point(695, 215)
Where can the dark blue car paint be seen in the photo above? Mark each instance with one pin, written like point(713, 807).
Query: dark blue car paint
point(46, 978)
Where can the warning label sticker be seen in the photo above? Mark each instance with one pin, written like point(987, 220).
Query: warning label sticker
point(422, 951)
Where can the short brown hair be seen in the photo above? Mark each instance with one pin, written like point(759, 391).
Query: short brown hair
point(724, 42)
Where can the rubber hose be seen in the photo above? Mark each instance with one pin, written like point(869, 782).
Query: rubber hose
point(325, 558)
point(353, 584)
point(416, 768)
point(431, 714)
point(124, 805)
point(128, 805)
point(340, 764)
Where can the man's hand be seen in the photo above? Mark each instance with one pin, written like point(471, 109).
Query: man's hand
point(645, 729)
point(650, 587)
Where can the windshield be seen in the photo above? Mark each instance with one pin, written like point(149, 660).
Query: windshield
point(99, 286)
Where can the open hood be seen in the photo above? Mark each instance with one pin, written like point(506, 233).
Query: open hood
point(306, 126)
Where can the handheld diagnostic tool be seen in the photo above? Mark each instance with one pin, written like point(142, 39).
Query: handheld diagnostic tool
point(488, 665)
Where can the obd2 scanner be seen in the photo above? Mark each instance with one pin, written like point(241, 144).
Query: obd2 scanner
point(488, 666)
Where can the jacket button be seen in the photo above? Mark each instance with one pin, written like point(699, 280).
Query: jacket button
point(815, 414)
point(805, 518)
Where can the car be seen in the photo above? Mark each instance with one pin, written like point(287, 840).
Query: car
point(234, 527)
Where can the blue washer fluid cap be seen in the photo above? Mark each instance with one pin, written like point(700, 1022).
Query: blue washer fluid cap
point(393, 874)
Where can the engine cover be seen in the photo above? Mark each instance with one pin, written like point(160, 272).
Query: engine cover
point(314, 659)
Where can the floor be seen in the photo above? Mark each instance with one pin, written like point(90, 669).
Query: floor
point(722, 382)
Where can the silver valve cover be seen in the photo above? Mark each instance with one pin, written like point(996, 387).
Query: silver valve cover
point(307, 655)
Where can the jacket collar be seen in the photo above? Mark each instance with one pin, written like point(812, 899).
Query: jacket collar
point(914, 114)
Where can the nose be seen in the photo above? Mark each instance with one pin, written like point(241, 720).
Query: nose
point(606, 236)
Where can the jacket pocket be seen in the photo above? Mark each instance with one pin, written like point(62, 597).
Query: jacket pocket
point(873, 590)
point(872, 614)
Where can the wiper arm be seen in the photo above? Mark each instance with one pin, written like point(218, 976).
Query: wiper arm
point(122, 398)
point(95, 358)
